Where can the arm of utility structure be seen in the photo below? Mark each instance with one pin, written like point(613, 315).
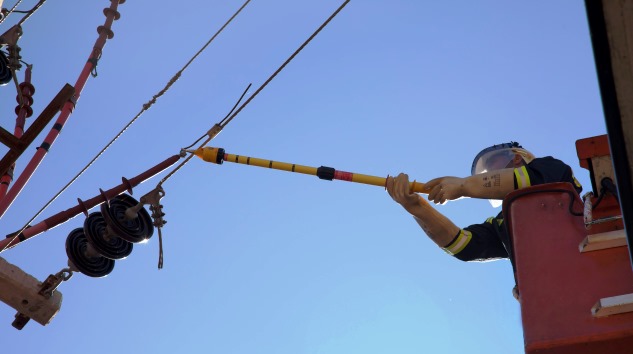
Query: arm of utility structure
point(83, 206)
point(105, 33)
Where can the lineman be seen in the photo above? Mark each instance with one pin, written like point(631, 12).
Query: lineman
point(496, 171)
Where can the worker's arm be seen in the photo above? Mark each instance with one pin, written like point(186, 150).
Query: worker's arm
point(437, 226)
point(490, 185)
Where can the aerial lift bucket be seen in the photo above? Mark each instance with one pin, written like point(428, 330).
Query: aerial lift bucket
point(574, 279)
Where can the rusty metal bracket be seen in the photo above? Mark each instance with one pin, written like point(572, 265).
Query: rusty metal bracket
point(47, 289)
point(53, 281)
point(18, 146)
point(11, 36)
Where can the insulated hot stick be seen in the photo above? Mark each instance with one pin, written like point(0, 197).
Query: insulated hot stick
point(218, 156)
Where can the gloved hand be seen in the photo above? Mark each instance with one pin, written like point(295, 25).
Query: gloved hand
point(443, 189)
point(398, 189)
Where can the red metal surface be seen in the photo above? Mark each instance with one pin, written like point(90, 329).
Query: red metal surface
point(95, 54)
point(23, 109)
point(592, 147)
point(587, 149)
point(608, 207)
point(558, 285)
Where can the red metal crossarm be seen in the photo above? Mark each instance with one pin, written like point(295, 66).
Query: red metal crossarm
point(105, 33)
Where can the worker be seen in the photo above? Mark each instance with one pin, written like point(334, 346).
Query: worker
point(496, 171)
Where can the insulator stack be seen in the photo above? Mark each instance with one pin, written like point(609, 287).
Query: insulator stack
point(103, 239)
point(25, 101)
point(106, 236)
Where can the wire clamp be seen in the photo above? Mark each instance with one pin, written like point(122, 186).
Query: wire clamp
point(153, 198)
point(214, 131)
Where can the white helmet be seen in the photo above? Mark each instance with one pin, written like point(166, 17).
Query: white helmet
point(498, 157)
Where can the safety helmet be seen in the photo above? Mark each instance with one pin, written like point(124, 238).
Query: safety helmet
point(495, 157)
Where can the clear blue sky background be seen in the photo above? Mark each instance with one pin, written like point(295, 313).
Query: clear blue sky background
point(262, 261)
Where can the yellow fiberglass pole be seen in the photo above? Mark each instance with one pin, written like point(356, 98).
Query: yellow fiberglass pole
point(218, 156)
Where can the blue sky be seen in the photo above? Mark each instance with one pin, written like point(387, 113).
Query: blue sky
point(261, 261)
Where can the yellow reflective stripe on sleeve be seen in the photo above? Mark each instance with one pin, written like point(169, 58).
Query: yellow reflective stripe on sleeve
point(527, 175)
point(522, 176)
point(460, 243)
point(518, 178)
point(489, 220)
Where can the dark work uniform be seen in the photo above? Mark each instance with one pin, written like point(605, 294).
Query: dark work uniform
point(490, 240)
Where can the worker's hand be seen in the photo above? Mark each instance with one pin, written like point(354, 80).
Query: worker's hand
point(398, 189)
point(444, 189)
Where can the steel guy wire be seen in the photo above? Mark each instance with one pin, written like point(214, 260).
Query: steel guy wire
point(228, 119)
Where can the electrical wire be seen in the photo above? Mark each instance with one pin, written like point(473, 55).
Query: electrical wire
point(228, 119)
point(227, 115)
point(10, 11)
point(31, 11)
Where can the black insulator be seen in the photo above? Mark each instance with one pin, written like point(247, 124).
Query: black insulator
point(79, 255)
point(109, 33)
point(135, 230)
point(29, 110)
point(107, 11)
point(28, 86)
point(28, 98)
point(5, 72)
point(103, 240)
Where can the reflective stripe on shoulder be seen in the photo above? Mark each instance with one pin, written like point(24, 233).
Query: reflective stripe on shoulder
point(522, 176)
point(460, 243)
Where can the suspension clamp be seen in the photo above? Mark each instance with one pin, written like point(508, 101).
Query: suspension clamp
point(153, 198)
